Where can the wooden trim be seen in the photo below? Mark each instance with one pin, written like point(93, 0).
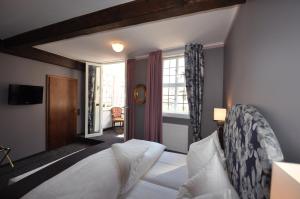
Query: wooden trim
point(43, 56)
point(128, 14)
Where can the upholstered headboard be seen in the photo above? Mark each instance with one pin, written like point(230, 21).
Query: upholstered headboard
point(250, 146)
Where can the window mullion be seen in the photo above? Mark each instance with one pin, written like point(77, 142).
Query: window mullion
point(176, 82)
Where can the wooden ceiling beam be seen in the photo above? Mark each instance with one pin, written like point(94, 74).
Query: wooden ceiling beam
point(128, 14)
point(43, 56)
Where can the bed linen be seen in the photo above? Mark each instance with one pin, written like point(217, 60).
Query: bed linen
point(169, 171)
point(80, 180)
point(148, 190)
point(24, 186)
point(98, 176)
point(135, 158)
point(163, 180)
point(210, 179)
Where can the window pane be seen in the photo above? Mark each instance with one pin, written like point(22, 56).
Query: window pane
point(181, 91)
point(165, 106)
point(166, 79)
point(181, 70)
point(165, 91)
point(165, 98)
point(171, 107)
point(171, 91)
point(186, 108)
point(166, 63)
point(186, 100)
point(181, 98)
point(179, 108)
point(171, 99)
point(173, 63)
point(172, 71)
point(181, 61)
point(172, 79)
point(166, 71)
point(180, 79)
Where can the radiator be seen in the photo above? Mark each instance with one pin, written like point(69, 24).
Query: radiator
point(175, 137)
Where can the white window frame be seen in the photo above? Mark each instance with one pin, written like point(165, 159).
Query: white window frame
point(175, 85)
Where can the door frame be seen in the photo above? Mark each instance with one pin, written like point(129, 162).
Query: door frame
point(86, 133)
point(48, 104)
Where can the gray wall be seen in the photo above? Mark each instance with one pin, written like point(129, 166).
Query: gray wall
point(23, 127)
point(213, 88)
point(140, 74)
point(213, 93)
point(262, 67)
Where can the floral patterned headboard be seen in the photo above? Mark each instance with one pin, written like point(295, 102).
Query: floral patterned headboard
point(250, 147)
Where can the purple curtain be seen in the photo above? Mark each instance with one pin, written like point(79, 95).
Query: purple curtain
point(130, 100)
point(153, 109)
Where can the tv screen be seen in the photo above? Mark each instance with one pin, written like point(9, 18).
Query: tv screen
point(25, 94)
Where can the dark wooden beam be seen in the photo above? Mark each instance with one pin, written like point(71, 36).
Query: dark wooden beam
point(132, 13)
point(43, 56)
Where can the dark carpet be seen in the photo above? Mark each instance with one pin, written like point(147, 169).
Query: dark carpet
point(112, 135)
point(108, 138)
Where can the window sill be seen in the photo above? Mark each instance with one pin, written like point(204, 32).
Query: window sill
point(176, 115)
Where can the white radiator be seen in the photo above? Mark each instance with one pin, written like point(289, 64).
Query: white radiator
point(175, 137)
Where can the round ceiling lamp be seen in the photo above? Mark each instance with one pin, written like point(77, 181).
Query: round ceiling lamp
point(117, 47)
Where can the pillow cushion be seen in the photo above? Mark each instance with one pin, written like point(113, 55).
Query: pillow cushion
point(209, 180)
point(202, 151)
point(216, 139)
point(129, 159)
point(135, 158)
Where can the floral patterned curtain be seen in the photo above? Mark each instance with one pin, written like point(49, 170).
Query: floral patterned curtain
point(91, 97)
point(194, 75)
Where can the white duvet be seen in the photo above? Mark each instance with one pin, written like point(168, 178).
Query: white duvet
point(101, 175)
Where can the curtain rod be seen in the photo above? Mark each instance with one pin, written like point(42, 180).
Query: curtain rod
point(180, 51)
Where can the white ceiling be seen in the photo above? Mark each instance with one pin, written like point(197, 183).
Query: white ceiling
point(209, 28)
point(18, 16)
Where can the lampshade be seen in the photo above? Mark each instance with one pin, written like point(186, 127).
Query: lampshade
point(219, 114)
point(285, 181)
point(117, 47)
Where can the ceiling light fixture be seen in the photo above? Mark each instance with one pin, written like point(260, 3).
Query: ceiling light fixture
point(117, 47)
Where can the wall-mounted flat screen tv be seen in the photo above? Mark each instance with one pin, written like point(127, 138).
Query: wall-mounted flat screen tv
point(25, 94)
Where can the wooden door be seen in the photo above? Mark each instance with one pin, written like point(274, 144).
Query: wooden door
point(61, 111)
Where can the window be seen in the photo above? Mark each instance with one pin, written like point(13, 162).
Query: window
point(174, 90)
point(113, 84)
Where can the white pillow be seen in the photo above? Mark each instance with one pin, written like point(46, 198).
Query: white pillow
point(135, 158)
point(209, 180)
point(216, 139)
point(202, 151)
point(129, 158)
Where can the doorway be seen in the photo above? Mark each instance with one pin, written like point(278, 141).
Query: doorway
point(113, 99)
point(105, 101)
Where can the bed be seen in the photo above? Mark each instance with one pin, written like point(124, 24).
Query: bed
point(250, 146)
